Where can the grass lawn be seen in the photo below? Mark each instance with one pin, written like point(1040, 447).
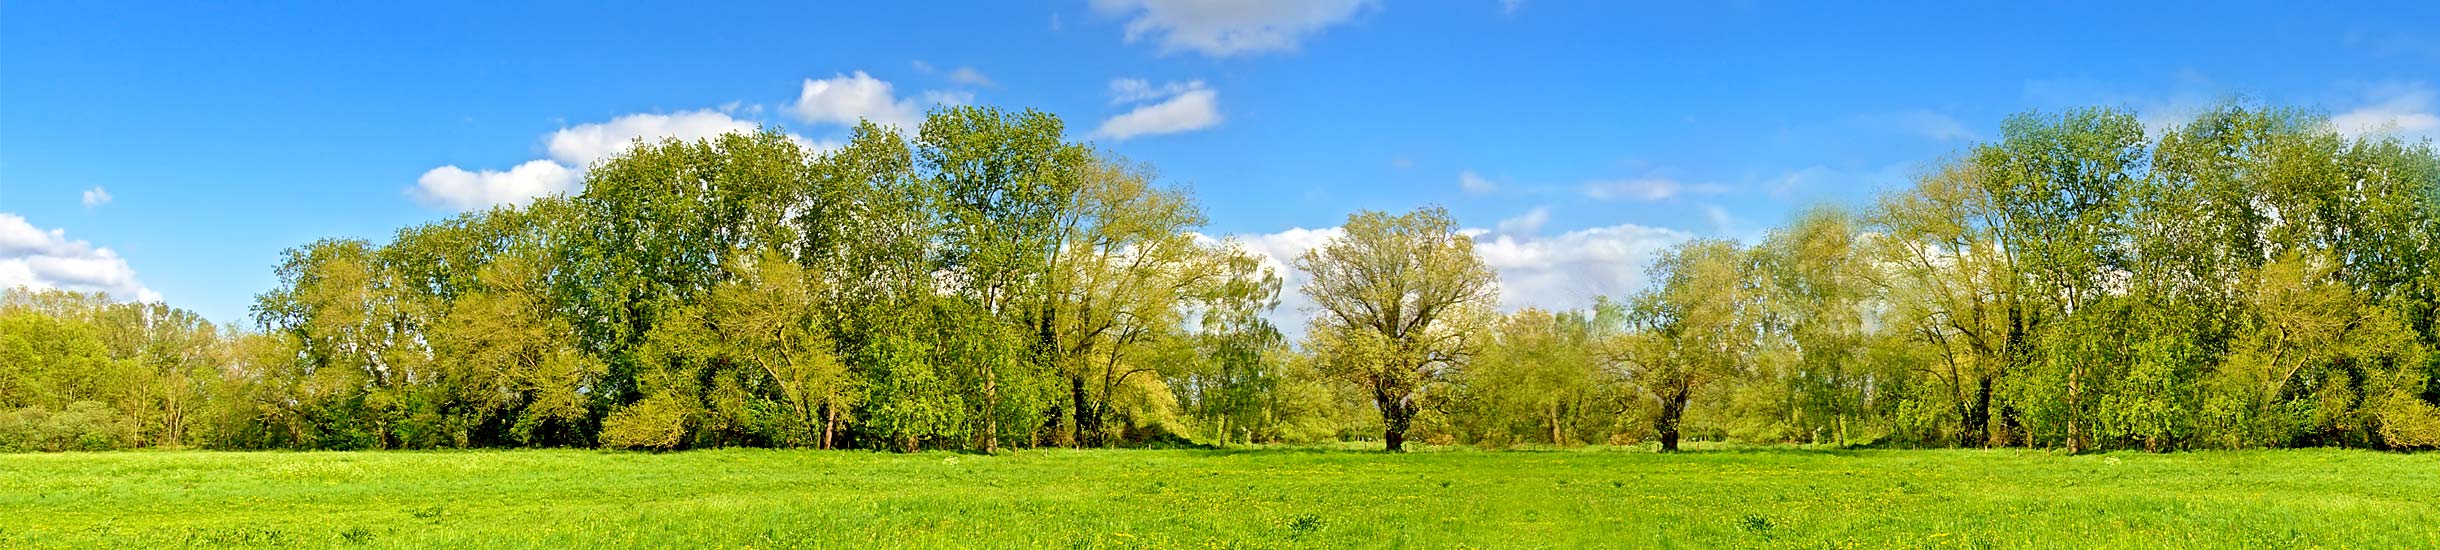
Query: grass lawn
point(1270, 498)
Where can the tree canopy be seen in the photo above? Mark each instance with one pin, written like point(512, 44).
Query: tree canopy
point(2248, 279)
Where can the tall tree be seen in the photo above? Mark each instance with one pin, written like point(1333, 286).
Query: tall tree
point(1696, 328)
point(1814, 302)
point(1400, 303)
point(1004, 182)
point(1957, 286)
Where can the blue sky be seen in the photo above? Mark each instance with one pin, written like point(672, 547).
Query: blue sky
point(171, 151)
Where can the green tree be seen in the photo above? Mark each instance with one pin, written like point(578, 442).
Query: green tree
point(1541, 378)
point(1400, 302)
point(1954, 284)
point(1815, 293)
point(1694, 329)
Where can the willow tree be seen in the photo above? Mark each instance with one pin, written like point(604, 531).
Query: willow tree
point(1695, 329)
point(1815, 299)
point(1954, 285)
point(1127, 271)
point(1400, 301)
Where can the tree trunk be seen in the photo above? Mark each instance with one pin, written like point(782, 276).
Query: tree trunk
point(1672, 411)
point(1557, 437)
point(2075, 411)
point(991, 410)
point(1085, 424)
point(2010, 430)
point(1976, 426)
point(830, 426)
point(1395, 418)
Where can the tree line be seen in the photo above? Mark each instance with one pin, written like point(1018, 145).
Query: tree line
point(2248, 279)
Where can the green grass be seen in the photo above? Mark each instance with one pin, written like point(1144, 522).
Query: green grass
point(1271, 498)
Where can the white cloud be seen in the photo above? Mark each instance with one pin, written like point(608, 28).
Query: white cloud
point(1189, 106)
point(1646, 189)
point(571, 151)
point(1510, 7)
point(1558, 272)
point(42, 260)
point(457, 189)
point(845, 99)
point(1475, 184)
point(1566, 271)
point(585, 144)
point(2393, 109)
point(970, 77)
point(842, 101)
point(1278, 251)
point(1226, 28)
point(1527, 224)
point(574, 149)
point(96, 197)
point(1130, 90)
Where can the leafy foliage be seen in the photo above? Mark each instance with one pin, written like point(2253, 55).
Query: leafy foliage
point(2249, 279)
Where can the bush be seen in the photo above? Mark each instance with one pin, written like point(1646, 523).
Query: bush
point(657, 422)
point(84, 426)
point(2407, 422)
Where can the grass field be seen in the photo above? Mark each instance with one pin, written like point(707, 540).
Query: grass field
point(1272, 498)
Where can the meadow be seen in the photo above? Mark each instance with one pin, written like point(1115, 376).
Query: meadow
point(1239, 498)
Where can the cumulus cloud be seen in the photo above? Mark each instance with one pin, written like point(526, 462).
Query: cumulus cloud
point(455, 188)
point(845, 99)
point(42, 260)
point(96, 197)
point(2394, 109)
point(1646, 189)
point(1165, 109)
point(584, 144)
point(571, 151)
point(1278, 251)
point(1566, 271)
point(1222, 29)
point(1476, 184)
point(839, 101)
point(1556, 272)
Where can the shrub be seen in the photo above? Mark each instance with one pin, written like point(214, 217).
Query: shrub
point(83, 426)
point(2407, 422)
point(657, 422)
